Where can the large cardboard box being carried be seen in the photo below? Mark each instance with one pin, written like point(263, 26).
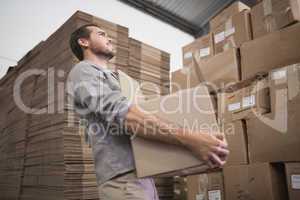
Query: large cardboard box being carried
point(293, 180)
point(226, 13)
point(233, 32)
point(271, 15)
point(261, 181)
point(275, 136)
point(202, 48)
point(271, 51)
point(191, 109)
point(208, 186)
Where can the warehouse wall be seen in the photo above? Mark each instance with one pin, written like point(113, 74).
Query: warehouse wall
point(25, 23)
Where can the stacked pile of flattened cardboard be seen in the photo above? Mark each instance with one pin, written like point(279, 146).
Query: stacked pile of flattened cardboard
point(13, 125)
point(257, 85)
point(150, 67)
point(43, 152)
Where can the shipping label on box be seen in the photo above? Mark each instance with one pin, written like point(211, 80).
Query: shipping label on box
point(233, 32)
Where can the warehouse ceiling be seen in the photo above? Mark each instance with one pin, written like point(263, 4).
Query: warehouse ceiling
point(190, 16)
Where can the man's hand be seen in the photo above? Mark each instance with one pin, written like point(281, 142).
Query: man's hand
point(211, 148)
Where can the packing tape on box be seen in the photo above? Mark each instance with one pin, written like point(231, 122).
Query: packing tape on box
point(293, 81)
point(267, 7)
point(229, 35)
point(269, 19)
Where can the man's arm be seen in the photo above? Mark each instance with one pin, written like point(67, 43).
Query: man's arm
point(93, 93)
point(212, 149)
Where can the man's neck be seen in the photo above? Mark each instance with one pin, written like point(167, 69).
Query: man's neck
point(99, 61)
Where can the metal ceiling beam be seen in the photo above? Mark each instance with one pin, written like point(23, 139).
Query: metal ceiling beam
point(165, 15)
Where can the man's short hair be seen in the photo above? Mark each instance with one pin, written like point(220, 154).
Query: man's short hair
point(81, 32)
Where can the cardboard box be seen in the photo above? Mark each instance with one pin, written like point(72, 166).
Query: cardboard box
point(236, 136)
point(271, 51)
point(293, 180)
point(208, 186)
point(245, 102)
point(202, 48)
point(226, 13)
point(271, 15)
point(233, 32)
point(274, 136)
point(156, 158)
point(183, 79)
point(220, 70)
point(180, 188)
point(257, 182)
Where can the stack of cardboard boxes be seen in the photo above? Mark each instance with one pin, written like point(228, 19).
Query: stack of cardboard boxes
point(254, 72)
point(43, 150)
point(150, 67)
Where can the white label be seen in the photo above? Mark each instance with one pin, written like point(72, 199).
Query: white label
point(200, 196)
point(177, 191)
point(234, 106)
point(219, 37)
point(295, 182)
point(204, 52)
point(248, 101)
point(279, 74)
point(188, 55)
point(229, 32)
point(214, 195)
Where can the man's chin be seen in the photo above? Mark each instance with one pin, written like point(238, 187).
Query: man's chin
point(108, 55)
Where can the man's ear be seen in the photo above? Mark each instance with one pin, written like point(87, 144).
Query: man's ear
point(84, 43)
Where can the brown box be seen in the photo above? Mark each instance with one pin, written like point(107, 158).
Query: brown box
point(236, 136)
point(271, 51)
point(256, 181)
point(220, 70)
point(293, 180)
point(156, 158)
point(271, 15)
point(233, 32)
point(208, 186)
point(274, 136)
point(202, 48)
point(183, 79)
point(245, 102)
point(226, 13)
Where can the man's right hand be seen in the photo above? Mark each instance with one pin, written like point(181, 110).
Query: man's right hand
point(211, 148)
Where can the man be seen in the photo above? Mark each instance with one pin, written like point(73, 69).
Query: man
point(96, 93)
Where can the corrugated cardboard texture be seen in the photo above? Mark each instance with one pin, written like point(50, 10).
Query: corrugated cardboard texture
point(257, 182)
point(244, 103)
point(293, 180)
point(274, 137)
point(272, 15)
point(236, 136)
point(225, 14)
point(205, 185)
point(202, 48)
point(154, 158)
point(184, 79)
point(233, 32)
point(220, 70)
point(274, 50)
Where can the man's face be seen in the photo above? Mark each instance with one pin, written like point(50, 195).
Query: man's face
point(100, 43)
